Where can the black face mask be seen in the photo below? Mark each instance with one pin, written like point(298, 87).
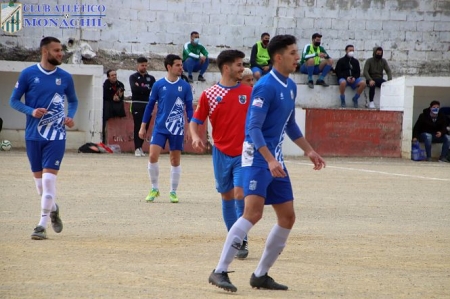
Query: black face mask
point(378, 56)
point(316, 44)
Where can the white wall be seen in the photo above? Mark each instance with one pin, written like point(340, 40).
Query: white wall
point(415, 34)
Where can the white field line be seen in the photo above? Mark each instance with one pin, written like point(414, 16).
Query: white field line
point(377, 172)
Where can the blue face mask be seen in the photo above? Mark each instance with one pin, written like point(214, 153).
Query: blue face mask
point(434, 110)
point(196, 40)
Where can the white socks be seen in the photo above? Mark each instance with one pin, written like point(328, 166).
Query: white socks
point(175, 173)
point(48, 197)
point(233, 242)
point(153, 173)
point(38, 183)
point(274, 246)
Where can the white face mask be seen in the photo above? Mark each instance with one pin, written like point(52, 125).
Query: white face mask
point(350, 54)
point(196, 40)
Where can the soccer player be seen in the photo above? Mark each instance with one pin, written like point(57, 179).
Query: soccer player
point(226, 104)
point(174, 97)
point(266, 180)
point(141, 84)
point(45, 86)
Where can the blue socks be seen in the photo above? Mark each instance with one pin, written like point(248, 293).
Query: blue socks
point(229, 213)
point(239, 207)
point(310, 72)
point(325, 71)
point(356, 97)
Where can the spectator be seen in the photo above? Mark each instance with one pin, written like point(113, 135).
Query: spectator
point(141, 84)
point(259, 58)
point(195, 57)
point(113, 97)
point(431, 127)
point(348, 73)
point(247, 77)
point(373, 72)
point(315, 60)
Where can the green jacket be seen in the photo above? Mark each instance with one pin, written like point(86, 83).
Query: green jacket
point(309, 51)
point(193, 51)
point(373, 69)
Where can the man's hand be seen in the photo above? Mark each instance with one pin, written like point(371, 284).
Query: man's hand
point(39, 112)
point(317, 160)
point(322, 55)
point(116, 98)
point(371, 83)
point(202, 59)
point(414, 139)
point(142, 133)
point(198, 144)
point(187, 135)
point(276, 169)
point(438, 134)
point(69, 122)
point(265, 68)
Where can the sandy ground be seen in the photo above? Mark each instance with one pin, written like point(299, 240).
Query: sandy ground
point(366, 228)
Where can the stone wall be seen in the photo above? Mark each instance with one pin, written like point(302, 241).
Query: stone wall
point(414, 33)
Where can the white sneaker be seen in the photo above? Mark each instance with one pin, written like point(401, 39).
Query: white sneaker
point(137, 152)
point(371, 105)
point(142, 152)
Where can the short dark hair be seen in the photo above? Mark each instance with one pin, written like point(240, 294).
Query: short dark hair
point(279, 43)
point(109, 71)
point(141, 60)
point(194, 32)
point(316, 35)
point(348, 46)
point(47, 40)
point(435, 103)
point(170, 60)
point(265, 34)
point(228, 57)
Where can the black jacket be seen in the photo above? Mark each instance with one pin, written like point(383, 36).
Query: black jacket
point(141, 91)
point(347, 67)
point(425, 124)
point(112, 108)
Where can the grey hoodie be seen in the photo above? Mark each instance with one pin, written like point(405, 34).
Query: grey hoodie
point(373, 69)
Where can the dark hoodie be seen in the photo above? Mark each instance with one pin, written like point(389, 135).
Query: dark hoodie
point(347, 67)
point(373, 69)
point(425, 124)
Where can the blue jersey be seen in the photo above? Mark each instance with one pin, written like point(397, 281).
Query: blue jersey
point(172, 98)
point(270, 115)
point(45, 89)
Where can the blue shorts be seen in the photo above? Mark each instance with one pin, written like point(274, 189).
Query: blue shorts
point(227, 171)
point(304, 69)
point(258, 69)
point(176, 142)
point(354, 85)
point(259, 181)
point(45, 154)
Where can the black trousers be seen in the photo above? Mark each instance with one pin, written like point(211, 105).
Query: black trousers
point(378, 83)
point(137, 110)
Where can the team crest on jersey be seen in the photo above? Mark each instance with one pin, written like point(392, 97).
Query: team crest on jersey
point(242, 99)
point(180, 88)
point(36, 80)
point(258, 102)
point(219, 99)
point(292, 94)
point(281, 96)
point(58, 81)
point(164, 88)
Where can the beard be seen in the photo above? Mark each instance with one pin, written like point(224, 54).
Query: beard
point(53, 61)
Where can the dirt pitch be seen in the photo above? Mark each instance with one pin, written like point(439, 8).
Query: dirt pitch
point(366, 228)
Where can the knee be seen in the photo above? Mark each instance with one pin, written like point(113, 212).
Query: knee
point(309, 62)
point(426, 136)
point(252, 215)
point(330, 61)
point(362, 84)
point(343, 84)
point(287, 221)
point(238, 193)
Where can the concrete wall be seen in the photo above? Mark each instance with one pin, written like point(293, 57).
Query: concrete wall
point(415, 34)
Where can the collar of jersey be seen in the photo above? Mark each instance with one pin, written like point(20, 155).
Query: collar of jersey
point(228, 87)
point(279, 77)
point(45, 71)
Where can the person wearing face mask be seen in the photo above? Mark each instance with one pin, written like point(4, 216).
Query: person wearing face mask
point(315, 61)
point(373, 72)
point(431, 127)
point(259, 58)
point(348, 73)
point(195, 57)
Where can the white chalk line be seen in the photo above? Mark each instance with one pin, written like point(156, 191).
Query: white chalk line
point(378, 172)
